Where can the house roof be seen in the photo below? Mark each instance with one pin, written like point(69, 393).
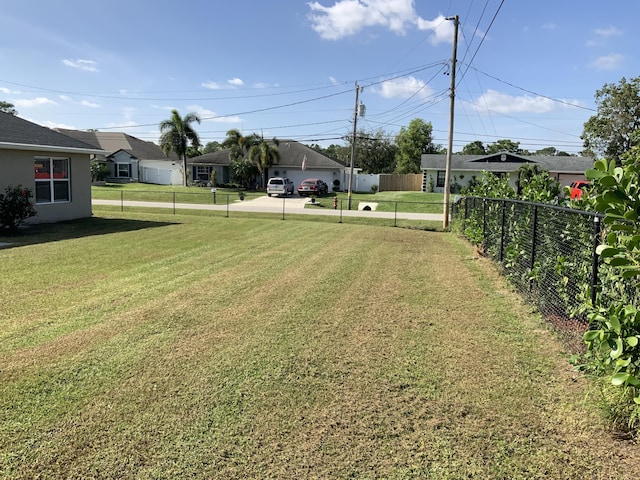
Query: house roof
point(112, 142)
point(507, 162)
point(291, 155)
point(19, 134)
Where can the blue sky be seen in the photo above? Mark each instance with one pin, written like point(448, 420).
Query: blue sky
point(527, 71)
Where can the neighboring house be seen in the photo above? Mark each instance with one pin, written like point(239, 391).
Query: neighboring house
point(54, 166)
point(467, 168)
point(292, 156)
point(130, 159)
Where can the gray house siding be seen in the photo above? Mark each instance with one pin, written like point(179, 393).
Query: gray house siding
point(17, 168)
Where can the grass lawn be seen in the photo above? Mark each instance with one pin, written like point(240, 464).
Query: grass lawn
point(146, 345)
point(414, 202)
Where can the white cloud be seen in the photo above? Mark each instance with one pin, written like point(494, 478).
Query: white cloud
point(610, 31)
point(209, 115)
point(608, 62)
point(86, 103)
point(81, 64)
point(441, 28)
point(348, 17)
point(33, 102)
point(236, 82)
point(124, 124)
point(212, 85)
point(51, 124)
point(508, 104)
point(549, 26)
point(8, 91)
point(404, 88)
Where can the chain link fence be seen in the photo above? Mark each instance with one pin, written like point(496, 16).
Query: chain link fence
point(547, 252)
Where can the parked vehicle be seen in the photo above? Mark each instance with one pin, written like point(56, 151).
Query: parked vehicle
point(312, 186)
point(280, 186)
point(577, 189)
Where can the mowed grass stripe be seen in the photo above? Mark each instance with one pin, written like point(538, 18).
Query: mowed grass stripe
point(303, 350)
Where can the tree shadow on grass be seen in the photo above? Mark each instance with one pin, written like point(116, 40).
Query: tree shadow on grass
point(85, 227)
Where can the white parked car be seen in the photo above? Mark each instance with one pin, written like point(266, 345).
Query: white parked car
point(280, 186)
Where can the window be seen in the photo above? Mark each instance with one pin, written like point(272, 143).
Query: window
point(123, 170)
point(440, 179)
point(52, 180)
point(203, 172)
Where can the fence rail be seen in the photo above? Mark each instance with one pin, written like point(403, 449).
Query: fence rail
point(395, 213)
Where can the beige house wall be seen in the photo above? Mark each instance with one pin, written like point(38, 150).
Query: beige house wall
point(17, 168)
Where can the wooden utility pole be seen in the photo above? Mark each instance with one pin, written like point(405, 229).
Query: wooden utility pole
point(447, 173)
point(353, 148)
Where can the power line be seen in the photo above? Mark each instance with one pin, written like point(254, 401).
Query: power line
point(530, 91)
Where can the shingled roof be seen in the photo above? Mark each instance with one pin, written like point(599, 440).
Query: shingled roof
point(507, 162)
point(291, 155)
point(18, 133)
point(112, 142)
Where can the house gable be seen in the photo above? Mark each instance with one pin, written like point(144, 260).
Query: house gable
point(503, 157)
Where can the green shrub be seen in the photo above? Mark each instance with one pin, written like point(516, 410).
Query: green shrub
point(614, 339)
point(15, 207)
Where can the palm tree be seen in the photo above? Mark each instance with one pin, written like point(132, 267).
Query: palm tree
point(238, 144)
point(264, 154)
point(176, 133)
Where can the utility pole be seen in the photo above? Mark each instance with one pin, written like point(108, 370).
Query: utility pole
point(447, 173)
point(353, 147)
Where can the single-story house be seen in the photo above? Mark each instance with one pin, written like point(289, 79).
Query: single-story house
point(466, 168)
point(297, 162)
point(130, 159)
point(54, 166)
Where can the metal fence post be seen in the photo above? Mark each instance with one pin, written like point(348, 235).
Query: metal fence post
point(227, 205)
point(534, 233)
point(174, 203)
point(283, 202)
point(594, 265)
point(501, 254)
point(122, 201)
point(466, 212)
point(395, 215)
point(484, 223)
point(340, 211)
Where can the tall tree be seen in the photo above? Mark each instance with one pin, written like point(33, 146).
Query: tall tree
point(375, 152)
point(211, 147)
point(263, 155)
point(7, 107)
point(412, 142)
point(547, 152)
point(615, 128)
point(238, 144)
point(504, 145)
point(474, 148)
point(338, 152)
point(175, 135)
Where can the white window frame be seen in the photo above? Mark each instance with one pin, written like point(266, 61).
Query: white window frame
point(53, 181)
point(120, 165)
point(203, 170)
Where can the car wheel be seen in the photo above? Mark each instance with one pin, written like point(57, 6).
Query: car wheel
point(268, 194)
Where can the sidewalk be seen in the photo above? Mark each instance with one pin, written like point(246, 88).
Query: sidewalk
point(274, 205)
